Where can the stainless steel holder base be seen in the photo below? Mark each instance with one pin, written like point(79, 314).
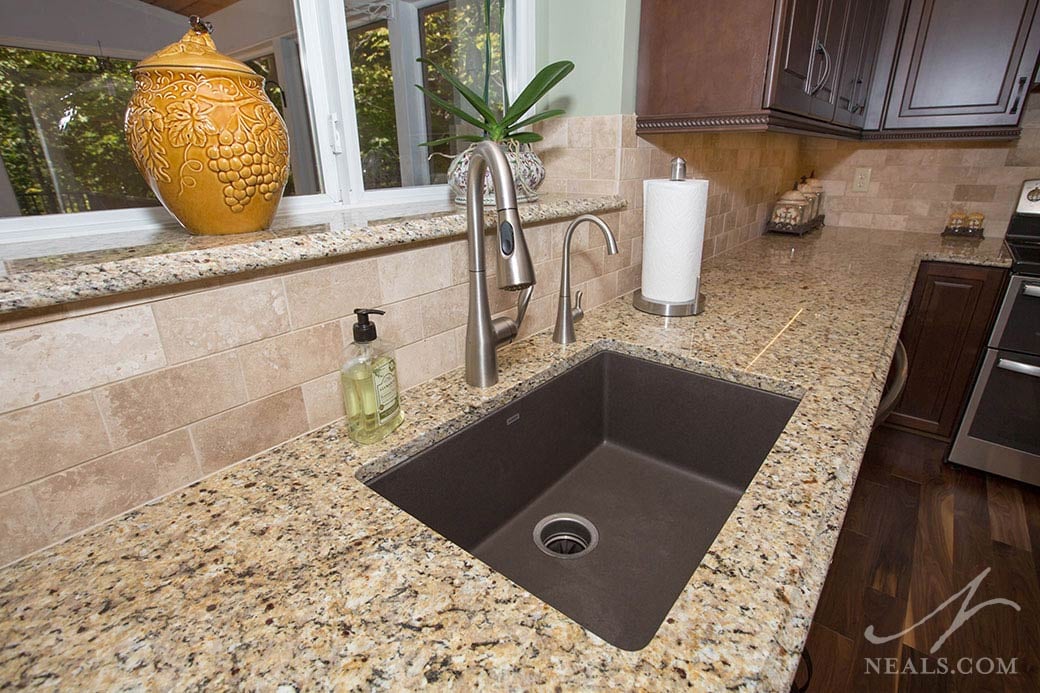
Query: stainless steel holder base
point(671, 310)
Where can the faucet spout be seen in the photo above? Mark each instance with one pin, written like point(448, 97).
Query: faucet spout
point(566, 316)
point(514, 269)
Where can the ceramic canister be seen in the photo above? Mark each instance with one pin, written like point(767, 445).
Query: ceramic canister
point(203, 133)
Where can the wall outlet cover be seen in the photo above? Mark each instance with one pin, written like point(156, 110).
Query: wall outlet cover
point(861, 180)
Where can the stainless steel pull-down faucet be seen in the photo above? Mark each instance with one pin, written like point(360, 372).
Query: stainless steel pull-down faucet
point(565, 315)
point(514, 269)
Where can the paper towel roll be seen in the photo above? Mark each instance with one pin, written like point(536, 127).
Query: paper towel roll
point(673, 238)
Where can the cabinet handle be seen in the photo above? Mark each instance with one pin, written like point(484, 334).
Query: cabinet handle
point(1018, 96)
point(820, 48)
point(1019, 367)
point(855, 107)
point(1031, 290)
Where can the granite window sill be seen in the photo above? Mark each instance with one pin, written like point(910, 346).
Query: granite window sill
point(49, 275)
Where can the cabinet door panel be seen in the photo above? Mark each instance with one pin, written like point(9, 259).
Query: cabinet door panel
point(797, 49)
point(951, 310)
point(963, 63)
point(866, 18)
point(827, 58)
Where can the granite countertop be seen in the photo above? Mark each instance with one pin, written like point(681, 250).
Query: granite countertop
point(38, 275)
point(285, 570)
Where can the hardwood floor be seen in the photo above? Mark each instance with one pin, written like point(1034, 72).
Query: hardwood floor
point(917, 532)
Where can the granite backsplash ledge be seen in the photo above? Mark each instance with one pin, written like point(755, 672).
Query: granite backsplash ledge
point(175, 257)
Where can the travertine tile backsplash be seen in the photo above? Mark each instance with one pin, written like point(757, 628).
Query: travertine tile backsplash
point(915, 185)
point(111, 403)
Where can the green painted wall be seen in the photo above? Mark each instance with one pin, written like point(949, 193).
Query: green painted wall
point(601, 37)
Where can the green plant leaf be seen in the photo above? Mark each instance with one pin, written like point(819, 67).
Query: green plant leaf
point(453, 109)
point(535, 118)
point(474, 100)
point(445, 140)
point(545, 80)
point(525, 137)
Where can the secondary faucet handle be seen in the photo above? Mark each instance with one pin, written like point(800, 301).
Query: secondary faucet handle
point(578, 313)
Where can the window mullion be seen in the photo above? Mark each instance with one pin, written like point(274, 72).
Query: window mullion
point(326, 61)
point(411, 112)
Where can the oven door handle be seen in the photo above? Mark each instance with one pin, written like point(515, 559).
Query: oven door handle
point(1019, 367)
point(1031, 290)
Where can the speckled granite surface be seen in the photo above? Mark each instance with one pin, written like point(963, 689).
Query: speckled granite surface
point(286, 570)
point(175, 256)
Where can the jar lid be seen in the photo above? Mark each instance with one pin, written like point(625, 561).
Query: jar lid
point(792, 196)
point(194, 51)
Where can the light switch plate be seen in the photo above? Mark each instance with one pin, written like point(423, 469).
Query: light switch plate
point(861, 180)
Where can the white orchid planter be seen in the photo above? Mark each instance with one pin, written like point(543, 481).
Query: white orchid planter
point(527, 169)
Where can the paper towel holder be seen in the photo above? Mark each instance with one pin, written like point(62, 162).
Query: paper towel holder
point(668, 309)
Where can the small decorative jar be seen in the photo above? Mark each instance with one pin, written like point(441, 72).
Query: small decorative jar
point(791, 213)
point(210, 144)
point(813, 191)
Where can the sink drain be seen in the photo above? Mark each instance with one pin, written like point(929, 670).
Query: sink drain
point(565, 535)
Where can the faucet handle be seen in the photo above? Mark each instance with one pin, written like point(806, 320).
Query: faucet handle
point(578, 312)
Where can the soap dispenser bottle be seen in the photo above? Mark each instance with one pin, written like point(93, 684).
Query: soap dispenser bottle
point(369, 376)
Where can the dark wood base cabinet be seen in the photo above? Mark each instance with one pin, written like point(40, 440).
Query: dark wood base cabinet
point(852, 69)
point(947, 324)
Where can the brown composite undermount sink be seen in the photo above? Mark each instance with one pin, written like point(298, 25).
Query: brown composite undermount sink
point(601, 490)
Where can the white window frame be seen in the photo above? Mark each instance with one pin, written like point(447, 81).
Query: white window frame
point(334, 128)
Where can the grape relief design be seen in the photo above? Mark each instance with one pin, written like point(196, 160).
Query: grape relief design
point(223, 126)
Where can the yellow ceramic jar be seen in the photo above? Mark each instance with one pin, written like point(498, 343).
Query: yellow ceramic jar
point(208, 141)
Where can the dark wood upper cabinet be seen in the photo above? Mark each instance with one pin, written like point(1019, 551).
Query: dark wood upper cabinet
point(795, 61)
point(963, 63)
point(858, 69)
point(949, 318)
point(858, 63)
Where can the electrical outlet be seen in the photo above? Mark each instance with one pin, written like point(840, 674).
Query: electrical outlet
point(861, 180)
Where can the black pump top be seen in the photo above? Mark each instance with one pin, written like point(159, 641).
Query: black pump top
point(365, 331)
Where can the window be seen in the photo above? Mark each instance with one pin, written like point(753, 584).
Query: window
point(356, 135)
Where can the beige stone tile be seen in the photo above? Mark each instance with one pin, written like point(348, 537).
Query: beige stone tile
point(579, 132)
point(409, 273)
point(592, 187)
point(445, 309)
point(144, 407)
point(103, 488)
point(42, 362)
point(606, 132)
point(323, 399)
point(894, 222)
point(331, 292)
point(540, 315)
point(419, 362)
point(599, 290)
point(22, 530)
point(630, 278)
point(569, 163)
point(50, 437)
point(554, 132)
point(632, 191)
point(290, 359)
point(628, 133)
point(244, 431)
point(401, 325)
point(211, 321)
point(605, 163)
point(974, 193)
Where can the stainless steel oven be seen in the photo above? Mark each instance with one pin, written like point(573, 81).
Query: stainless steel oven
point(1000, 432)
